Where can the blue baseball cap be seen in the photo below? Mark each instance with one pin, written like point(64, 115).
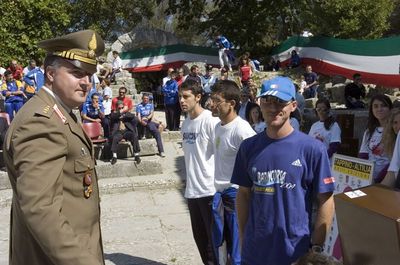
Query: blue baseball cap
point(280, 87)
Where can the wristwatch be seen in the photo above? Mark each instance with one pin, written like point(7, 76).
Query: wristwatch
point(317, 248)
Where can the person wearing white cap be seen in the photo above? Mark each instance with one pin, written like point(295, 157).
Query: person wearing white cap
point(279, 173)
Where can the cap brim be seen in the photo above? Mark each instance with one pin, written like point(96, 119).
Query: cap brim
point(277, 94)
point(89, 68)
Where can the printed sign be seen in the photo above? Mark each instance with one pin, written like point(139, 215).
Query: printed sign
point(350, 174)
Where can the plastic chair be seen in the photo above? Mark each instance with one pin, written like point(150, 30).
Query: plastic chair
point(93, 130)
point(6, 116)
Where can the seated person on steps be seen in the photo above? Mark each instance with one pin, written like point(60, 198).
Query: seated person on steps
point(145, 112)
point(123, 126)
point(93, 111)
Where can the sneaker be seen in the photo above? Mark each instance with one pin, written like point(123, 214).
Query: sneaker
point(137, 159)
point(113, 160)
point(162, 154)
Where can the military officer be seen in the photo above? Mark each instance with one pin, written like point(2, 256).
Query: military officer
point(55, 215)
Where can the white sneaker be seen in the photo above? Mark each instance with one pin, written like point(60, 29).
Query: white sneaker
point(162, 154)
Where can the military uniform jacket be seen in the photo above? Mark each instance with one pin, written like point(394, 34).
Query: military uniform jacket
point(47, 155)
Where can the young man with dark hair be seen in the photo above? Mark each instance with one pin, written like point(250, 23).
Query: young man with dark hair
point(353, 93)
point(145, 112)
point(280, 173)
point(229, 134)
point(197, 141)
point(171, 101)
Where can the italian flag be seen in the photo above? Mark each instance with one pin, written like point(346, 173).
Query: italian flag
point(378, 61)
point(162, 58)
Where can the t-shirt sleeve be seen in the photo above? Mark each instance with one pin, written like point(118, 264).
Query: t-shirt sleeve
point(364, 144)
point(84, 109)
point(239, 174)
point(323, 180)
point(335, 134)
point(395, 162)
point(245, 131)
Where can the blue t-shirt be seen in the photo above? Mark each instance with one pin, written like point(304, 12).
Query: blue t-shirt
point(310, 78)
point(144, 110)
point(90, 111)
point(285, 175)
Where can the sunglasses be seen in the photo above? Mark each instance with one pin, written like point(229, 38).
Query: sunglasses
point(271, 100)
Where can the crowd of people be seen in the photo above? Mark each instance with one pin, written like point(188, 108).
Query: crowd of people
point(253, 177)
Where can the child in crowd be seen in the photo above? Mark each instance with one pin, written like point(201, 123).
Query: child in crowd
point(256, 120)
point(326, 130)
point(372, 147)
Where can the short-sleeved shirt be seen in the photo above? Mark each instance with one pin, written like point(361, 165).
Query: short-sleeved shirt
point(127, 102)
point(310, 78)
point(373, 146)
point(144, 109)
point(319, 132)
point(285, 175)
point(90, 111)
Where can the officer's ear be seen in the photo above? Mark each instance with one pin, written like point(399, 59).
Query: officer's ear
point(49, 72)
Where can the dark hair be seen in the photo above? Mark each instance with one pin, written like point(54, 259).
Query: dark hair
point(94, 94)
point(229, 90)
point(356, 75)
point(124, 88)
point(255, 106)
point(7, 72)
point(115, 52)
point(373, 122)
point(193, 86)
point(330, 120)
point(193, 67)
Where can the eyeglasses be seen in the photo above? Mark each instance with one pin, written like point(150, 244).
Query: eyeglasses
point(270, 100)
point(217, 101)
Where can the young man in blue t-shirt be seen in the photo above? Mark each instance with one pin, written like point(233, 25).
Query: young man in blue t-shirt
point(145, 112)
point(280, 172)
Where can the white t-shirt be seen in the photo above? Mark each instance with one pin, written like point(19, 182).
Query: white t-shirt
point(117, 63)
point(165, 80)
point(107, 91)
point(259, 127)
point(107, 106)
point(227, 141)
point(319, 132)
point(374, 149)
point(395, 162)
point(198, 141)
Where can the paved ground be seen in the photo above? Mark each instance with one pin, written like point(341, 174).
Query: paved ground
point(139, 227)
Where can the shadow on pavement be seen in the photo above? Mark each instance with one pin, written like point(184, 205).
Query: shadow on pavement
point(124, 259)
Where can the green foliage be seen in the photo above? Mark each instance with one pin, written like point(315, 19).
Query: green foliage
point(256, 25)
point(357, 19)
point(23, 23)
point(110, 18)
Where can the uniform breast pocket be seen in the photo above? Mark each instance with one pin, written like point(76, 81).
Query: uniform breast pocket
point(84, 175)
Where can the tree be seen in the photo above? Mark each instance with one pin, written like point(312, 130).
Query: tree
point(257, 25)
point(356, 19)
point(110, 18)
point(23, 23)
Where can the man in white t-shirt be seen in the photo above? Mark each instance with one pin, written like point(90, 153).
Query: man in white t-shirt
point(229, 134)
point(198, 140)
point(116, 66)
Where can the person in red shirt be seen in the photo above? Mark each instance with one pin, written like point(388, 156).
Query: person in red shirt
point(245, 70)
point(16, 70)
point(128, 103)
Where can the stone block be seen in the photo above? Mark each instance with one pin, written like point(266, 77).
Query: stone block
point(337, 92)
point(310, 103)
point(338, 79)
